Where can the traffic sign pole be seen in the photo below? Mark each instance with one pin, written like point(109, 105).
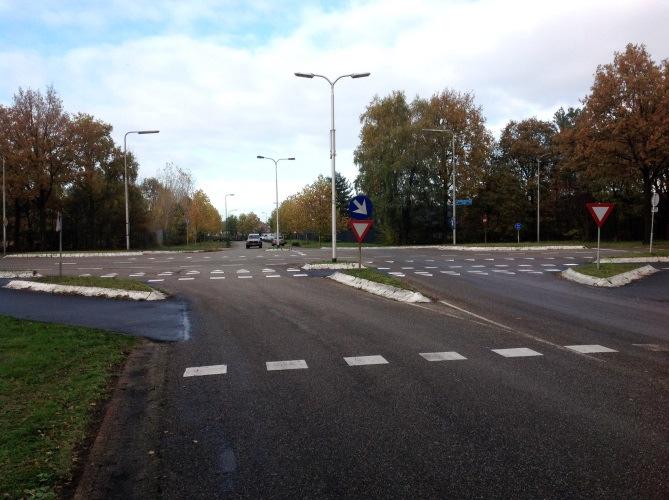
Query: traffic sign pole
point(655, 199)
point(599, 231)
point(518, 235)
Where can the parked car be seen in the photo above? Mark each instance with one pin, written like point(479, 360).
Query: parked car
point(253, 240)
point(267, 237)
point(282, 241)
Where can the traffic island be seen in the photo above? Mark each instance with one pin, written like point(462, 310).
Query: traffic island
point(377, 283)
point(113, 288)
point(608, 275)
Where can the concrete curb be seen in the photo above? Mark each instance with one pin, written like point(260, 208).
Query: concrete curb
point(633, 260)
point(387, 291)
point(19, 274)
point(86, 291)
point(333, 265)
point(470, 249)
point(613, 281)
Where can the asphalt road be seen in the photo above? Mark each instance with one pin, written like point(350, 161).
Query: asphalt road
point(550, 422)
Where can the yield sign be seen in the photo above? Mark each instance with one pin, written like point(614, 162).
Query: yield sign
point(600, 212)
point(360, 228)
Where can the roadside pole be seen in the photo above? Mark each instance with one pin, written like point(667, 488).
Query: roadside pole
point(599, 232)
point(359, 255)
point(59, 228)
point(518, 226)
point(654, 201)
point(360, 211)
point(599, 212)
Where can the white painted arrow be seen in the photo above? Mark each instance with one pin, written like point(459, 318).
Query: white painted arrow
point(360, 208)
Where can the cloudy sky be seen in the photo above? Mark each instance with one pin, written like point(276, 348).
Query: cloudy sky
point(216, 77)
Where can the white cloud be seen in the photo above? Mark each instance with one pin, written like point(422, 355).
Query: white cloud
point(218, 105)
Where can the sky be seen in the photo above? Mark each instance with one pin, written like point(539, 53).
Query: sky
point(217, 77)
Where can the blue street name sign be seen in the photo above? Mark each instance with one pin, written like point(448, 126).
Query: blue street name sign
point(360, 208)
point(466, 202)
point(518, 226)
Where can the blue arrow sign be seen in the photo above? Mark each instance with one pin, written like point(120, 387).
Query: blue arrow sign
point(518, 226)
point(360, 207)
point(466, 202)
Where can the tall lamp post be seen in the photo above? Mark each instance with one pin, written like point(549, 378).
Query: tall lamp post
point(333, 150)
point(125, 178)
point(445, 131)
point(539, 158)
point(227, 233)
point(276, 182)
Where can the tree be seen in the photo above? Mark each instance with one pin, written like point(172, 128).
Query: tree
point(249, 223)
point(203, 216)
point(622, 131)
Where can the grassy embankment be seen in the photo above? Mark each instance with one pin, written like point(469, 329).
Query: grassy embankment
point(117, 283)
point(52, 378)
point(605, 270)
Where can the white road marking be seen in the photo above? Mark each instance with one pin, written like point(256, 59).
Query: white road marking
point(185, 279)
point(110, 275)
point(197, 371)
point(84, 275)
point(243, 271)
point(272, 276)
point(193, 272)
point(471, 260)
point(136, 275)
point(244, 276)
point(571, 264)
point(123, 262)
point(478, 265)
point(154, 281)
point(395, 273)
point(89, 268)
point(216, 277)
point(653, 347)
point(589, 349)
point(429, 260)
point(383, 268)
point(299, 275)
point(455, 267)
point(524, 265)
point(431, 267)
point(490, 259)
point(217, 271)
point(442, 356)
point(452, 273)
point(572, 258)
point(267, 270)
point(407, 267)
point(390, 261)
point(295, 364)
point(365, 360)
point(501, 265)
point(536, 272)
point(548, 265)
point(517, 352)
point(293, 270)
point(169, 273)
point(409, 261)
point(553, 270)
point(423, 273)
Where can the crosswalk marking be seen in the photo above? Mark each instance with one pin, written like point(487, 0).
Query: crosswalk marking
point(185, 279)
point(197, 371)
point(155, 281)
point(300, 275)
point(442, 356)
point(216, 277)
point(272, 276)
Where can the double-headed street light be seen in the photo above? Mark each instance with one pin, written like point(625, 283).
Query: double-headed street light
point(445, 131)
point(333, 150)
point(125, 178)
point(276, 182)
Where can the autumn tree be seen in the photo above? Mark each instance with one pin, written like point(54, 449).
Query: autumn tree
point(249, 223)
point(203, 216)
point(622, 133)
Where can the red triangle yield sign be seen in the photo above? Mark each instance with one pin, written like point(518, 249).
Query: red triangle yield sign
point(360, 228)
point(600, 212)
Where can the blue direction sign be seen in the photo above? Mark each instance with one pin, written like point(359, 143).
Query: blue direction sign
point(360, 208)
point(518, 226)
point(466, 202)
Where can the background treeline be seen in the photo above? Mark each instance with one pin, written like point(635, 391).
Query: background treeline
point(614, 148)
point(56, 161)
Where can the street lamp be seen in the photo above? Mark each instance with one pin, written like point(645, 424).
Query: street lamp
point(333, 151)
point(226, 213)
point(538, 192)
point(444, 131)
point(276, 182)
point(4, 214)
point(125, 178)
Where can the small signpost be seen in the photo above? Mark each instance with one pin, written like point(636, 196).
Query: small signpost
point(466, 202)
point(59, 230)
point(654, 202)
point(518, 226)
point(485, 228)
point(599, 212)
point(360, 209)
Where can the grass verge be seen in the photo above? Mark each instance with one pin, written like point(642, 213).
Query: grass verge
point(377, 276)
point(656, 253)
point(605, 270)
point(118, 283)
point(51, 379)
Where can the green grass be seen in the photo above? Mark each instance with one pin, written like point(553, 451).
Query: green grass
point(377, 276)
point(656, 253)
point(51, 379)
point(605, 270)
point(118, 283)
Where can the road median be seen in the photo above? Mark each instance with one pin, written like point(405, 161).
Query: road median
point(614, 280)
point(382, 289)
point(147, 294)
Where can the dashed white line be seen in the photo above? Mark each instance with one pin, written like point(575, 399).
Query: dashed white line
point(299, 275)
point(216, 277)
point(185, 279)
point(590, 349)
point(365, 360)
point(244, 276)
point(272, 276)
point(295, 364)
point(197, 371)
point(154, 281)
point(517, 352)
point(442, 356)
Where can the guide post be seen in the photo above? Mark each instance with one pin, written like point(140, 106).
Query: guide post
point(654, 201)
point(59, 228)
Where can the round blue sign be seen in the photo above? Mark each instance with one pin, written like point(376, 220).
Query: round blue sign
point(360, 208)
point(518, 226)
